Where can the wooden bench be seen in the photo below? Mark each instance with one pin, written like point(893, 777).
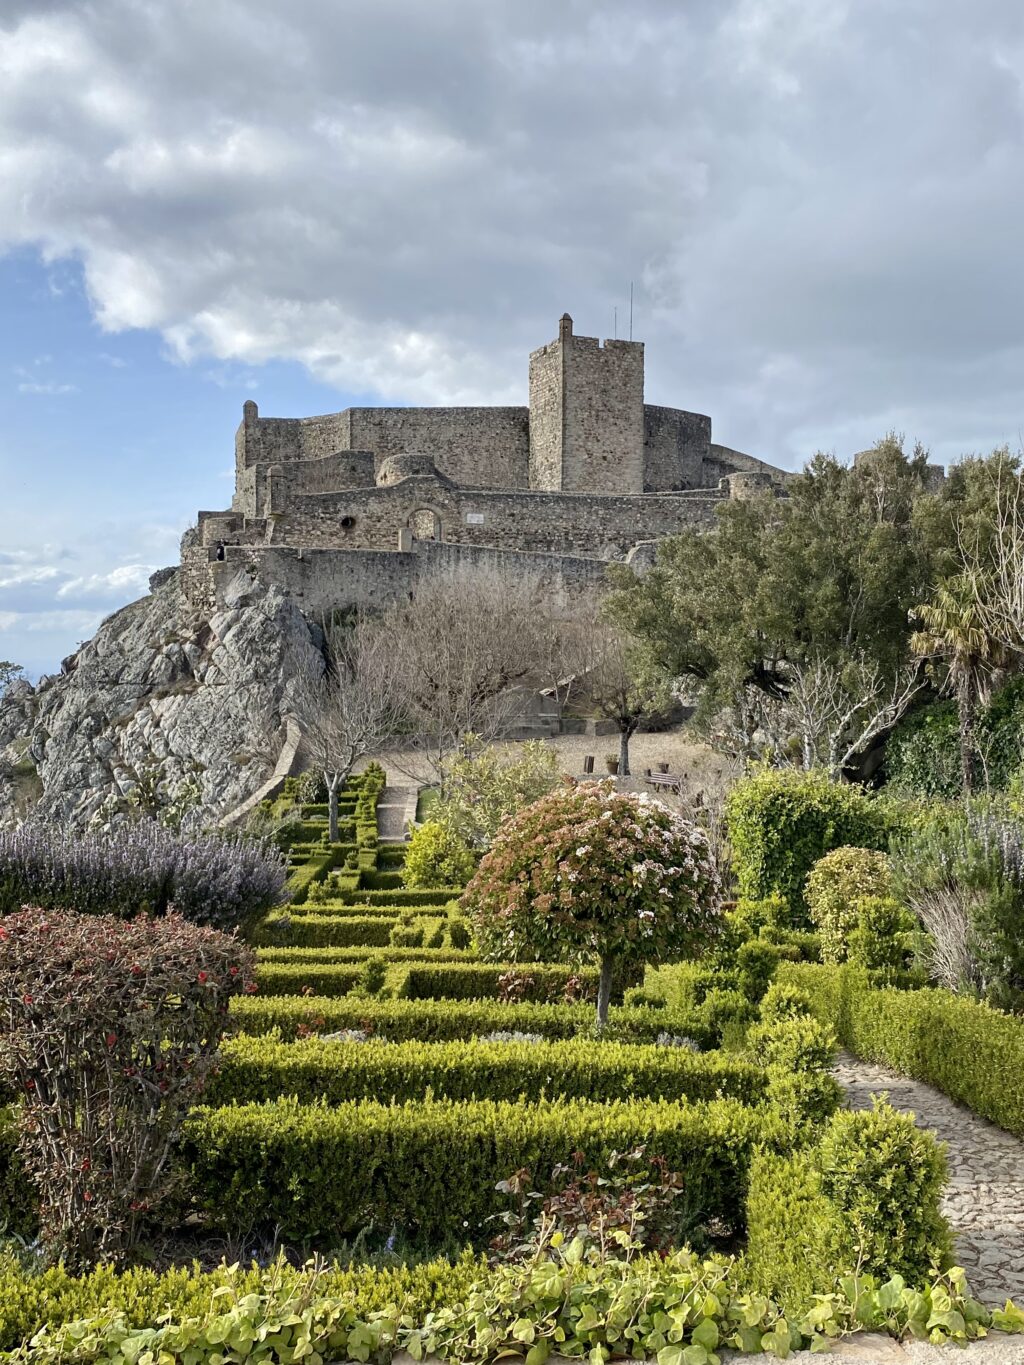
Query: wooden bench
point(671, 781)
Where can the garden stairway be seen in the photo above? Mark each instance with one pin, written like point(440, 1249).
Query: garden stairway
point(395, 811)
point(984, 1200)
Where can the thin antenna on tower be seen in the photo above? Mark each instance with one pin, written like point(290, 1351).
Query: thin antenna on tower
point(615, 322)
point(631, 310)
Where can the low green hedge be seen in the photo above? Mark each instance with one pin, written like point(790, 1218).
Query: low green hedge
point(539, 981)
point(291, 978)
point(973, 1053)
point(354, 903)
point(448, 1020)
point(406, 899)
point(360, 954)
point(325, 931)
point(381, 881)
point(303, 877)
point(260, 1069)
point(866, 1195)
point(431, 1167)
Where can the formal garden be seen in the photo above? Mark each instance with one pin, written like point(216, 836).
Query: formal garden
point(552, 1077)
point(608, 1068)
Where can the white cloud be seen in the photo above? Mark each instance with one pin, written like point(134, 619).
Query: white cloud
point(817, 199)
point(49, 387)
point(122, 583)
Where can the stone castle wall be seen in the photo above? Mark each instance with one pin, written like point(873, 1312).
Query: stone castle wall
point(603, 526)
point(676, 445)
point(489, 447)
point(324, 580)
point(475, 446)
point(603, 447)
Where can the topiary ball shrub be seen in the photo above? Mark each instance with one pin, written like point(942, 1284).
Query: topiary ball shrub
point(436, 856)
point(109, 1029)
point(782, 822)
point(587, 873)
point(835, 887)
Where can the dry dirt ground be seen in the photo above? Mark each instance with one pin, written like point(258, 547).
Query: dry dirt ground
point(703, 769)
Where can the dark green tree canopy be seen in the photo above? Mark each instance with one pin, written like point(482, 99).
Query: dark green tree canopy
point(831, 572)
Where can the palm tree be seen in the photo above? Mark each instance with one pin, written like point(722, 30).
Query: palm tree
point(953, 630)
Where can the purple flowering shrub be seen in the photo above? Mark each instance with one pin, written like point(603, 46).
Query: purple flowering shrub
point(587, 873)
point(222, 882)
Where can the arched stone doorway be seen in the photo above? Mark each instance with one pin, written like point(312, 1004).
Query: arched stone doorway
point(425, 524)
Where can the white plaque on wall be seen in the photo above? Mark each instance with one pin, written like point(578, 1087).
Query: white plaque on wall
point(474, 518)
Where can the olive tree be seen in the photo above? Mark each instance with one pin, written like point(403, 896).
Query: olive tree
point(587, 873)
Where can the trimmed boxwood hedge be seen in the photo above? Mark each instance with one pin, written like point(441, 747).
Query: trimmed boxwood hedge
point(303, 877)
point(342, 909)
point(334, 931)
point(291, 978)
point(406, 899)
point(326, 931)
point(446, 1020)
point(260, 1069)
point(360, 954)
point(431, 1167)
point(973, 1053)
point(866, 1195)
point(479, 980)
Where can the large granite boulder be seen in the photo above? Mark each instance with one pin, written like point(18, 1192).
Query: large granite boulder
point(204, 699)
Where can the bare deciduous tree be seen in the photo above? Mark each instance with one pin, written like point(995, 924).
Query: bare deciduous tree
point(994, 571)
point(836, 711)
point(349, 709)
point(829, 716)
point(617, 682)
point(467, 649)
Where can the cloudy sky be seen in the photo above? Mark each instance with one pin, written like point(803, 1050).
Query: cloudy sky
point(201, 201)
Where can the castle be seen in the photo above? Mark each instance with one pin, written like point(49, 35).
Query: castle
point(350, 508)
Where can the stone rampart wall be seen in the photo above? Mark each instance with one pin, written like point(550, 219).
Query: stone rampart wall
point(347, 469)
point(675, 448)
point(605, 527)
point(547, 418)
point(474, 446)
point(722, 460)
point(326, 580)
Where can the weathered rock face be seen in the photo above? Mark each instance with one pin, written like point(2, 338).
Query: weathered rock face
point(203, 698)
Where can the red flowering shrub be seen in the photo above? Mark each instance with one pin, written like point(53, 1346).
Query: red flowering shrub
point(589, 873)
point(109, 1028)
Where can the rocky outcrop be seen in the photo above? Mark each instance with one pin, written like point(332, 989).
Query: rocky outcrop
point(205, 699)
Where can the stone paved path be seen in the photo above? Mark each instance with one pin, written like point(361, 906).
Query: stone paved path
point(396, 806)
point(984, 1201)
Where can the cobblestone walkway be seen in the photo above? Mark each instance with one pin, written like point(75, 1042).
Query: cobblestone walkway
point(984, 1200)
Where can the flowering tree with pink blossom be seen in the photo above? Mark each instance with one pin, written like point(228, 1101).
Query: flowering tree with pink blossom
point(587, 873)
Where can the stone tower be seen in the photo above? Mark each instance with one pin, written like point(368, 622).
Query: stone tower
point(587, 415)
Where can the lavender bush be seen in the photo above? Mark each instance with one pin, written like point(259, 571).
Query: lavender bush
point(210, 879)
